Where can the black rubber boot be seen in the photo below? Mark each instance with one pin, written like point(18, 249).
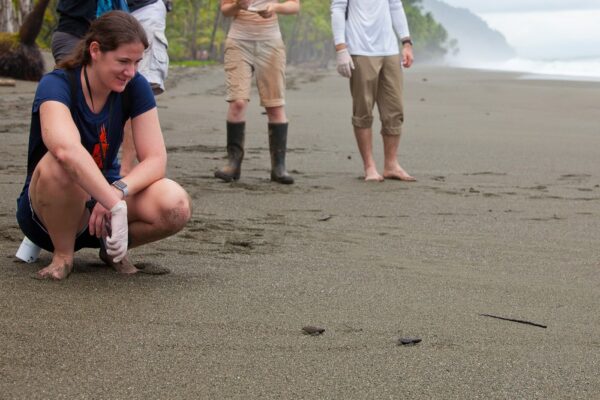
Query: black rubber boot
point(277, 147)
point(235, 152)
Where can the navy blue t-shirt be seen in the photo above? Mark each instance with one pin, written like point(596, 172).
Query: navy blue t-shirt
point(95, 129)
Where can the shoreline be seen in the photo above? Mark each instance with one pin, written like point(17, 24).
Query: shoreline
point(538, 70)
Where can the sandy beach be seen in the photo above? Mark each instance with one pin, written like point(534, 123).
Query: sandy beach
point(504, 220)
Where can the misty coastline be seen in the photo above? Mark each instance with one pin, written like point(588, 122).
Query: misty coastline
point(502, 41)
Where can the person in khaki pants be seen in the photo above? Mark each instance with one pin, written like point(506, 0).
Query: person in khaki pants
point(254, 46)
point(367, 49)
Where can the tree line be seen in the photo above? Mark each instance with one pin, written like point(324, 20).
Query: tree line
point(196, 30)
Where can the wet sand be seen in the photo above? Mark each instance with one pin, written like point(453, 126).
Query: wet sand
point(504, 220)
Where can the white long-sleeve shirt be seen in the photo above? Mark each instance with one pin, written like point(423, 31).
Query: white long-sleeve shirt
point(369, 30)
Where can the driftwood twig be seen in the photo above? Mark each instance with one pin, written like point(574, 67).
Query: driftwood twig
point(520, 321)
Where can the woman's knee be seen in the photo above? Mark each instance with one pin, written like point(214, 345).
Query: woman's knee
point(49, 173)
point(237, 108)
point(175, 209)
point(276, 114)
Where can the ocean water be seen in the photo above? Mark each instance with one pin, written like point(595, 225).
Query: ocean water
point(587, 69)
point(553, 43)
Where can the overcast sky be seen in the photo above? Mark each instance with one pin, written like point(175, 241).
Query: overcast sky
point(543, 29)
point(489, 6)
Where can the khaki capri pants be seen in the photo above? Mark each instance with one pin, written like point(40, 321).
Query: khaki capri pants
point(377, 80)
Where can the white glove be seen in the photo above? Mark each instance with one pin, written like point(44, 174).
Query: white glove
point(116, 243)
point(344, 63)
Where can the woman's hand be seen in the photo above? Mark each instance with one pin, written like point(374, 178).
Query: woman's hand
point(268, 11)
point(230, 8)
point(99, 221)
point(243, 4)
point(117, 242)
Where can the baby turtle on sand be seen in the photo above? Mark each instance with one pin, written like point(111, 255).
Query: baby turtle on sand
point(313, 330)
point(409, 341)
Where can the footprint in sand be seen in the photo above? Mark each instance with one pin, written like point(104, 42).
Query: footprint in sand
point(574, 177)
point(490, 173)
point(540, 219)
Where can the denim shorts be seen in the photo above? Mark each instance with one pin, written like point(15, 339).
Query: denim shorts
point(33, 228)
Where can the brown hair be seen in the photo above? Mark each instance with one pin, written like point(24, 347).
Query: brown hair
point(111, 31)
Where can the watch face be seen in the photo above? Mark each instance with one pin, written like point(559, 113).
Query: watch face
point(118, 184)
point(122, 186)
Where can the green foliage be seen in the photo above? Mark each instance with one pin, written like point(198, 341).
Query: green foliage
point(429, 37)
point(191, 63)
point(8, 41)
point(308, 34)
point(195, 26)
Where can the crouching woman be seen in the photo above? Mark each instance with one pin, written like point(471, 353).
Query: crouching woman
point(73, 197)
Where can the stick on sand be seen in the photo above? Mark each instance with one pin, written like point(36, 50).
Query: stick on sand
point(520, 321)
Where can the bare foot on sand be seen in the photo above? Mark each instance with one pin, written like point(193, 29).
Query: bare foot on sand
point(124, 267)
point(398, 173)
point(371, 175)
point(58, 269)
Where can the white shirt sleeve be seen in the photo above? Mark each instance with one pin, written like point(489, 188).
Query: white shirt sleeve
point(338, 20)
point(398, 19)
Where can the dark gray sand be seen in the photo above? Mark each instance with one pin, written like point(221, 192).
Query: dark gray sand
point(504, 220)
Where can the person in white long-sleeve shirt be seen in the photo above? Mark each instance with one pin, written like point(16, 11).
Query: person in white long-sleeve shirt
point(366, 34)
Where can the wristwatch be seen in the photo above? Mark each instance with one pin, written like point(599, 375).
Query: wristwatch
point(122, 186)
point(407, 40)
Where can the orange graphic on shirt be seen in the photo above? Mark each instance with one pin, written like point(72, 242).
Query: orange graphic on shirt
point(100, 156)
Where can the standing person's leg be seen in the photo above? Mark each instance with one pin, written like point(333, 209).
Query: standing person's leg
point(391, 111)
point(238, 72)
point(154, 67)
point(392, 169)
point(236, 135)
point(278, 132)
point(363, 87)
point(364, 140)
point(276, 115)
point(270, 81)
point(155, 63)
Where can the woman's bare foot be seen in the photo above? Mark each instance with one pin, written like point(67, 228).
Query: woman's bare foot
point(397, 172)
point(58, 269)
point(124, 267)
point(371, 175)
